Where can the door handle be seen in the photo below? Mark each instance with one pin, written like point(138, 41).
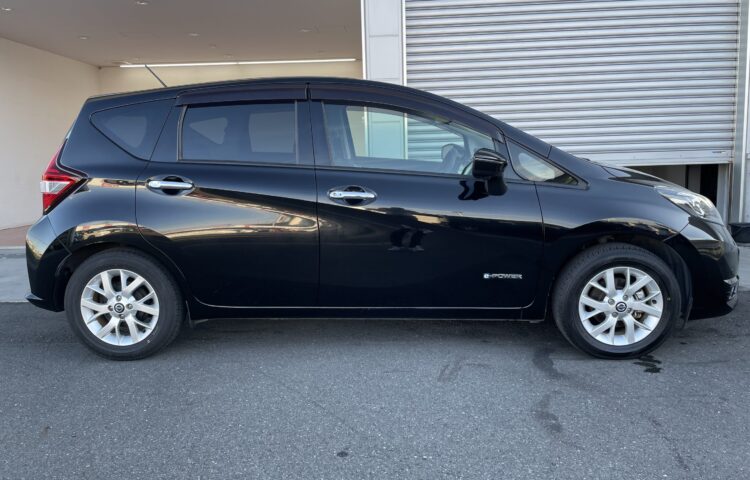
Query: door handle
point(169, 185)
point(350, 195)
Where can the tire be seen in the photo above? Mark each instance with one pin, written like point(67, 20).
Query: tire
point(156, 317)
point(573, 295)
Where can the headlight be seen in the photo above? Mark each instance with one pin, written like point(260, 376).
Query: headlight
point(691, 202)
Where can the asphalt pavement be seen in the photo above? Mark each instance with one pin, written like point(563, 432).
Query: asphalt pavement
point(372, 399)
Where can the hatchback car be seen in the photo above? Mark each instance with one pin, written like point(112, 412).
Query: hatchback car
point(315, 197)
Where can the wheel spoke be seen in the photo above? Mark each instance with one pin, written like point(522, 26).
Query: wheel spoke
point(146, 309)
point(107, 329)
point(132, 329)
point(95, 317)
point(639, 284)
point(96, 289)
point(137, 282)
point(610, 282)
point(92, 305)
point(607, 324)
point(142, 324)
point(627, 279)
point(592, 313)
point(595, 304)
point(642, 325)
point(598, 286)
point(651, 296)
point(146, 298)
point(646, 308)
point(107, 284)
point(629, 329)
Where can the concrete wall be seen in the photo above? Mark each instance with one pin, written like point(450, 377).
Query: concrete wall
point(40, 95)
point(383, 41)
point(115, 79)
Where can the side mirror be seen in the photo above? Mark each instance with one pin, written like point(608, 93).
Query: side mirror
point(488, 164)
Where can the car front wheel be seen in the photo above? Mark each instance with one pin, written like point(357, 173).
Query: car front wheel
point(616, 301)
point(123, 305)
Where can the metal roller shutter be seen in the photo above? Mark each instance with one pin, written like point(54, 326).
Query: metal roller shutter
point(628, 82)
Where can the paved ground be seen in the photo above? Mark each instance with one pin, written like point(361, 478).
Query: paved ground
point(14, 281)
point(375, 399)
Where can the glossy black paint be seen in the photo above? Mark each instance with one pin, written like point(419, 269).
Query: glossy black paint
point(266, 240)
point(245, 236)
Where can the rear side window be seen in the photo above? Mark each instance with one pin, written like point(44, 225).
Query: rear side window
point(253, 132)
point(134, 128)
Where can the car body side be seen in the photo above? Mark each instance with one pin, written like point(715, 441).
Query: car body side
point(606, 205)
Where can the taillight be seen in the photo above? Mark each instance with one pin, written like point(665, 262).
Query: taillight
point(56, 183)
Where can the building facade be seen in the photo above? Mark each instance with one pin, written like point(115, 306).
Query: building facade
point(658, 85)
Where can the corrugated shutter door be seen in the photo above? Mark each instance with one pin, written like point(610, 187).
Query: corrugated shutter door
point(638, 82)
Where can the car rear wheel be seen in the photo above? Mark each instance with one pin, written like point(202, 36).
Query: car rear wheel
point(123, 305)
point(616, 301)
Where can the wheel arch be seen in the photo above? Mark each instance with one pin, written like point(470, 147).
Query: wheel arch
point(649, 236)
point(82, 252)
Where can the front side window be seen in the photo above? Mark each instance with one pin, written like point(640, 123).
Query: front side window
point(530, 166)
point(257, 133)
point(385, 139)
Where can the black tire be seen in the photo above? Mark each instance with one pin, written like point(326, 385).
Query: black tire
point(586, 265)
point(171, 306)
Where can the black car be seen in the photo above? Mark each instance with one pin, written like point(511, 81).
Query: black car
point(310, 197)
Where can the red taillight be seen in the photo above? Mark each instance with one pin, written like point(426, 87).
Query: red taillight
point(56, 183)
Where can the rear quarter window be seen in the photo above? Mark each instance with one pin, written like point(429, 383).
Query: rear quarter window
point(134, 128)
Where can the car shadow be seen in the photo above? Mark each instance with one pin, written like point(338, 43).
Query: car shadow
point(333, 331)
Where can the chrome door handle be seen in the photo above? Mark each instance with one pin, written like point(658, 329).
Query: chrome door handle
point(347, 195)
point(169, 185)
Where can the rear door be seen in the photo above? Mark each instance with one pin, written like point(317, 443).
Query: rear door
point(403, 222)
point(229, 196)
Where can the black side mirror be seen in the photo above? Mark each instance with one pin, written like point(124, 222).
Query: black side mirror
point(488, 164)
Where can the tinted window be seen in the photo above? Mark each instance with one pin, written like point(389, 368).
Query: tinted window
point(135, 128)
point(532, 167)
point(257, 132)
point(380, 138)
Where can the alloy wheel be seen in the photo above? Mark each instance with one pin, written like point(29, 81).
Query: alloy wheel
point(120, 307)
point(620, 306)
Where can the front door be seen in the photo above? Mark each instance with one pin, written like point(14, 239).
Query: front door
point(402, 221)
point(235, 209)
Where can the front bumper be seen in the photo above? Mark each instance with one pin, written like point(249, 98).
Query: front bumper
point(713, 258)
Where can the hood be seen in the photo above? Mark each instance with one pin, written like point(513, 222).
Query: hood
point(635, 176)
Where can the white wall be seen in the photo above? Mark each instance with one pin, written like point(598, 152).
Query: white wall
point(115, 79)
point(40, 95)
point(382, 40)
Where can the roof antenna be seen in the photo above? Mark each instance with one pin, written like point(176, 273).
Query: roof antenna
point(155, 76)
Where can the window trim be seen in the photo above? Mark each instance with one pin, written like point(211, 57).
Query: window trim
point(414, 173)
point(494, 134)
point(298, 137)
